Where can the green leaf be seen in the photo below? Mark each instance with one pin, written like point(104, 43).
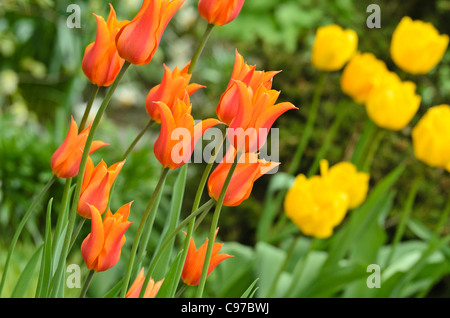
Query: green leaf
point(46, 262)
point(268, 262)
point(171, 223)
point(361, 218)
point(250, 290)
point(114, 291)
point(170, 283)
point(27, 275)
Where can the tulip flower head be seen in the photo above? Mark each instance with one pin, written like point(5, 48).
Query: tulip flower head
point(219, 12)
point(138, 40)
point(227, 108)
point(193, 266)
point(346, 177)
point(318, 204)
point(431, 137)
point(101, 249)
point(315, 205)
point(178, 134)
point(255, 115)
point(66, 159)
point(333, 47)
point(96, 186)
point(101, 62)
point(362, 73)
point(393, 103)
point(174, 85)
point(248, 169)
point(416, 46)
point(151, 290)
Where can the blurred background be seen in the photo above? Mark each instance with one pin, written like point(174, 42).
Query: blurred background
point(42, 84)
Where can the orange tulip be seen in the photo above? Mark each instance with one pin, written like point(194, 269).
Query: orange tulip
point(227, 108)
point(174, 85)
point(256, 113)
point(97, 183)
point(248, 169)
point(102, 247)
point(151, 290)
point(101, 62)
point(172, 151)
point(220, 12)
point(138, 40)
point(193, 266)
point(66, 159)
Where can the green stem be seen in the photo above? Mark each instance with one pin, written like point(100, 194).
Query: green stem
point(62, 217)
point(22, 223)
point(73, 211)
point(307, 133)
point(200, 47)
point(214, 223)
point(406, 212)
point(300, 268)
point(136, 140)
point(283, 266)
point(88, 107)
point(198, 197)
point(87, 283)
point(205, 207)
point(140, 230)
point(379, 134)
point(76, 232)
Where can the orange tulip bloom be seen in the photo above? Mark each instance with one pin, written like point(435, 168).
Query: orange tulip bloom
point(193, 266)
point(256, 113)
point(220, 12)
point(171, 151)
point(151, 290)
point(229, 101)
point(249, 168)
point(174, 85)
point(138, 40)
point(97, 183)
point(101, 62)
point(66, 159)
point(102, 247)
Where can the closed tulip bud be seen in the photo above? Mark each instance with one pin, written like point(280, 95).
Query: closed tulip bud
point(315, 205)
point(66, 159)
point(416, 46)
point(101, 249)
point(248, 169)
point(174, 85)
point(101, 62)
point(151, 290)
point(346, 177)
point(256, 112)
point(97, 183)
point(393, 103)
point(219, 12)
point(362, 73)
point(333, 47)
point(193, 265)
point(178, 134)
point(431, 137)
point(138, 40)
point(227, 108)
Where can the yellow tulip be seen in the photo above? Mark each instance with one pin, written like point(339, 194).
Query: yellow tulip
point(393, 103)
point(360, 75)
point(333, 47)
point(417, 46)
point(346, 177)
point(431, 137)
point(315, 206)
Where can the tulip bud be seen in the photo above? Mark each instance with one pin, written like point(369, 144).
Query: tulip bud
point(220, 12)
